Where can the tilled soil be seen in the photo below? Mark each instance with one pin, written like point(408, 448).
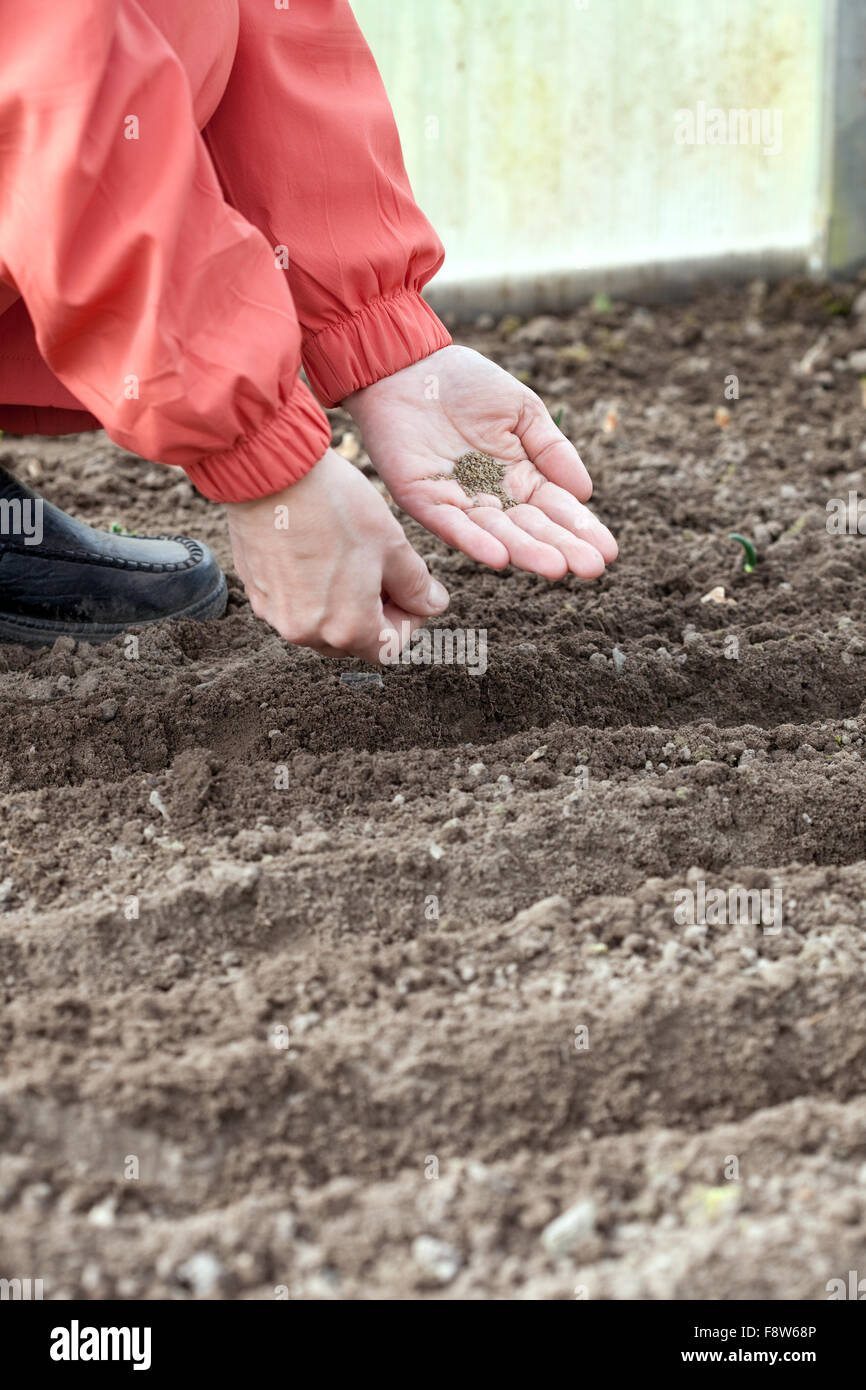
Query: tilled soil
point(383, 981)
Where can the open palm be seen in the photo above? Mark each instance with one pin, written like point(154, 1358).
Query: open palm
point(420, 421)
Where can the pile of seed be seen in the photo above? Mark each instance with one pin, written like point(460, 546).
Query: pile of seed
point(480, 473)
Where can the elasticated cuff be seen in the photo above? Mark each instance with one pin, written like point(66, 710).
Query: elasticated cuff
point(381, 338)
point(282, 451)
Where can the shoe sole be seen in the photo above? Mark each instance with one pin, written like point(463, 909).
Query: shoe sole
point(41, 632)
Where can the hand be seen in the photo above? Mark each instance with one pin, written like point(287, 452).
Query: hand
point(479, 407)
point(328, 566)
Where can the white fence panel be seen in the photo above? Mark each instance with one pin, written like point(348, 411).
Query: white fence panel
point(542, 138)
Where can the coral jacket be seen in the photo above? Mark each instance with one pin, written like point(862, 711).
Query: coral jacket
point(194, 201)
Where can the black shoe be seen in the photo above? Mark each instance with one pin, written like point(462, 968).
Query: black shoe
point(60, 578)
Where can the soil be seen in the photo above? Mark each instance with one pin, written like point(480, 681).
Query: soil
point(320, 990)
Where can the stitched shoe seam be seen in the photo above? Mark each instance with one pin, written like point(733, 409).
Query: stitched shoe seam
point(84, 557)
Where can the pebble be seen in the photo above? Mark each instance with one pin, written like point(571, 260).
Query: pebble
point(436, 1258)
point(349, 447)
point(566, 1232)
point(156, 801)
point(717, 595)
point(103, 1213)
point(361, 680)
point(91, 1277)
point(107, 710)
point(452, 829)
point(857, 360)
point(202, 1272)
point(670, 957)
point(643, 320)
point(6, 891)
point(302, 1023)
point(619, 660)
point(543, 329)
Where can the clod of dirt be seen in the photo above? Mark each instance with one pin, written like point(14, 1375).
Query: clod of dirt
point(480, 473)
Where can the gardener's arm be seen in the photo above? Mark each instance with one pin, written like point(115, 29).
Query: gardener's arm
point(154, 302)
point(306, 145)
point(157, 304)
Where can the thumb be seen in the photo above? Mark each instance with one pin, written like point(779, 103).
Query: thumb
point(410, 585)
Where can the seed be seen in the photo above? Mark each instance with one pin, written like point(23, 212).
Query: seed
point(480, 473)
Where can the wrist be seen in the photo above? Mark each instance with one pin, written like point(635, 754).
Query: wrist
point(386, 335)
point(424, 371)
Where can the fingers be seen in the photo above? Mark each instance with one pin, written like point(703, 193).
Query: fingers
point(409, 584)
point(369, 634)
point(376, 628)
point(562, 508)
point(454, 526)
point(550, 451)
point(582, 558)
point(523, 549)
point(397, 628)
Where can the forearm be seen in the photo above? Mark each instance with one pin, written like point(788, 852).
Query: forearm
point(322, 174)
point(154, 302)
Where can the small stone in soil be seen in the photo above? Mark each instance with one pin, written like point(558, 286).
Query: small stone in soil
point(568, 1231)
point(480, 473)
point(436, 1259)
point(361, 680)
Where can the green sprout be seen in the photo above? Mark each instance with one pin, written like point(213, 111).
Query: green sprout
point(557, 419)
point(751, 553)
point(602, 302)
point(118, 530)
